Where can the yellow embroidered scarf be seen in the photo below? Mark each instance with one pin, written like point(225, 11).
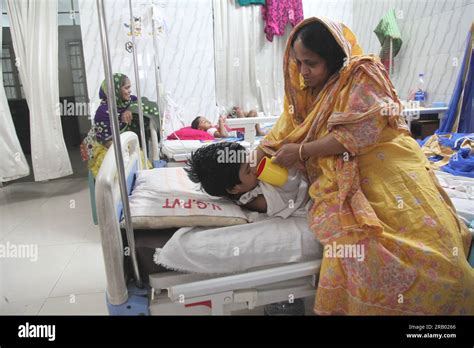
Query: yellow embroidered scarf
point(307, 117)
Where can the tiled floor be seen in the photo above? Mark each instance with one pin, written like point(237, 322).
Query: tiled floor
point(67, 277)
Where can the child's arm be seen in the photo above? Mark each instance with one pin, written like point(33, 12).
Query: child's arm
point(258, 204)
point(222, 132)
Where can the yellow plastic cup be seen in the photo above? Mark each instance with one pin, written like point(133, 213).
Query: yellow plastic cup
point(271, 173)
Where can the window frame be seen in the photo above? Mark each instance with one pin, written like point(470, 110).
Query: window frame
point(18, 87)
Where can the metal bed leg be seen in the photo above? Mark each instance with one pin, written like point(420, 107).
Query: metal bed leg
point(92, 195)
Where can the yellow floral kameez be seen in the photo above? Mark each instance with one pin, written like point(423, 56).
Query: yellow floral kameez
point(381, 195)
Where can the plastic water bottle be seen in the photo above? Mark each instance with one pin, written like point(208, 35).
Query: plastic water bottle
point(420, 94)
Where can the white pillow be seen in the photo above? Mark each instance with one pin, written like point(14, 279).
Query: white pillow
point(165, 197)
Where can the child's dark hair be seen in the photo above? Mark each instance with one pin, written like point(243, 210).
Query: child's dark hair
point(195, 123)
point(208, 166)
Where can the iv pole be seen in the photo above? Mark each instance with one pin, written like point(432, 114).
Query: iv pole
point(159, 89)
point(116, 137)
point(137, 83)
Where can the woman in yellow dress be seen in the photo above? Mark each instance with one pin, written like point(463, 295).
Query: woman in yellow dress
point(373, 189)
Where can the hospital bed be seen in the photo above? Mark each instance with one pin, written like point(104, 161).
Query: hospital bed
point(177, 292)
point(180, 150)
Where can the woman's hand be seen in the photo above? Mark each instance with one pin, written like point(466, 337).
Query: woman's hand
point(127, 117)
point(288, 156)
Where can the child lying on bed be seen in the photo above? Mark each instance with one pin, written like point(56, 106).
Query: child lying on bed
point(224, 170)
point(217, 131)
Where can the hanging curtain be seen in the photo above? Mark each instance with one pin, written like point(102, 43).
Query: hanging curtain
point(13, 164)
point(249, 69)
point(34, 30)
point(460, 115)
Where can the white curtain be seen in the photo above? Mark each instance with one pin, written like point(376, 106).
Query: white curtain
point(13, 164)
point(34, 30)
point(249, 68)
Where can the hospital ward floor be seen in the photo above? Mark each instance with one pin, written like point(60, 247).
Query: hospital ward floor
point(68, 275)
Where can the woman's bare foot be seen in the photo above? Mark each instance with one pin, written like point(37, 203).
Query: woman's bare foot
point(251, 113)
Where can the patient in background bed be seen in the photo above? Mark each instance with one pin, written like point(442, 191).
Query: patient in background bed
point(217, 131)
point(225, 170)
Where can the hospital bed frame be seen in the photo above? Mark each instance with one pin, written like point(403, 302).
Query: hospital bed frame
point(178, 293)
point(155, 146)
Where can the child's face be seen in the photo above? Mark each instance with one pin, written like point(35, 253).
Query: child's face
point(204, 124)
point(248, 179)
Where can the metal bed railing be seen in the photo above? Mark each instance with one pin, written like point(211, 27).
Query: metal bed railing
point(112, 107)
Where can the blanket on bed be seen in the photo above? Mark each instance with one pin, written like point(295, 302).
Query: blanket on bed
point(233, 249)
point(451, 152)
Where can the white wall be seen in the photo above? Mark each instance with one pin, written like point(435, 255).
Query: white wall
point(433, 33)
point(337, 10)
point(186, 51)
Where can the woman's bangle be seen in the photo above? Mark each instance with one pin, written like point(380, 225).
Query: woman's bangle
point(301, 154)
